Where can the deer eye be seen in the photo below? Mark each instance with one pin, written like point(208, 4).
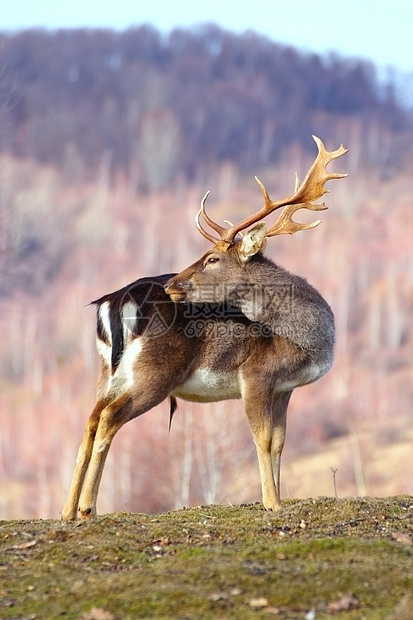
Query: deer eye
point(212, 260)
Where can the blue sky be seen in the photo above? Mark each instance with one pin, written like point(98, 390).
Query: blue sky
point(380, 31)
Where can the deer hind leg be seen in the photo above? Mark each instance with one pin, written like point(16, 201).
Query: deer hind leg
point(69, 512)
point(267, 418)
point(103, 424)
point(111, 419)
point(106, 419)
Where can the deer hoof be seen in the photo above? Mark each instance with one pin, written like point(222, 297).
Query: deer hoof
point(87, 513)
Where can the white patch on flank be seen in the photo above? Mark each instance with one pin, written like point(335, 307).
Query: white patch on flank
point(124, 371)
point(104, 317)
point(206, 386)
point(129, 312)
point(104, 351)
point(123, 375)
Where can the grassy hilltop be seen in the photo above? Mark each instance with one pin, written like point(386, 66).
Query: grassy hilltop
point(350, 558)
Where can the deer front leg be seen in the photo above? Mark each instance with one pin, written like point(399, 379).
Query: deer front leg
point(267, 419)
point(69, 512)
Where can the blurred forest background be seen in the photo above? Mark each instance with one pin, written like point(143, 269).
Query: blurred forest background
point(108, 140)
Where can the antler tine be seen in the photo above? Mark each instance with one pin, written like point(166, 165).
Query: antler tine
point(284, 223)
point(229, 234)
point(312, 188)
point(219, 229)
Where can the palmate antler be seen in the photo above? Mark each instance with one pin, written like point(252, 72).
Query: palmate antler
point(311, 189)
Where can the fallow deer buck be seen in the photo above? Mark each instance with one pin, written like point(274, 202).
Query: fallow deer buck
point(232, 325)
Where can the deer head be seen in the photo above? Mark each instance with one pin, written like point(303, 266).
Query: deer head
point(220, 274)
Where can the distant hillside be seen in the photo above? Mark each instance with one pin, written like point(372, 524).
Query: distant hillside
point(159, 106)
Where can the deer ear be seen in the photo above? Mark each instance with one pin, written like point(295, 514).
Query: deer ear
point(253, 241)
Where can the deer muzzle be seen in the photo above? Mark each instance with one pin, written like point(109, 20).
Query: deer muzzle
point(177, 290)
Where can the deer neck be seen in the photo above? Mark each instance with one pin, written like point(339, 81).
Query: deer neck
point(262, 293)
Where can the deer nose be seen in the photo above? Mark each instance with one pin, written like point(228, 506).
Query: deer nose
point(167, 288)
point(175, 286)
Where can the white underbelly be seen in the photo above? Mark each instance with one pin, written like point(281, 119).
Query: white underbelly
point(309, 374)
point(207, 386)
